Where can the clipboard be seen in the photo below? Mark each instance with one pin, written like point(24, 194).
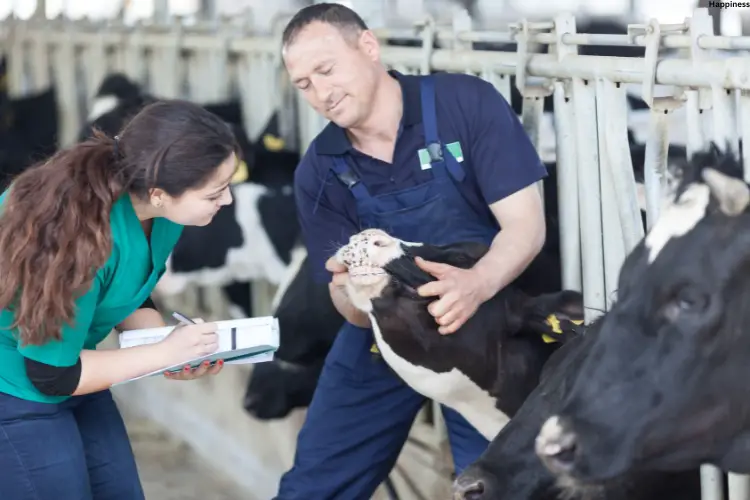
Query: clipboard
point(241, 341)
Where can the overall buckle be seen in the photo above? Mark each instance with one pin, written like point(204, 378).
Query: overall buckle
point(435, 150)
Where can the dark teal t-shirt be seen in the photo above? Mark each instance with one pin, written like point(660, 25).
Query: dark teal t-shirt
point(119, 288)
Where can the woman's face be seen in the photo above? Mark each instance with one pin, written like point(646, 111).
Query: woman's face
point(197, 207)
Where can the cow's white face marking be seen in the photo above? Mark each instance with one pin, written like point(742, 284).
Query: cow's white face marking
point(677, 218)
point(101, 106)
point(548, 440)
point(366, 254)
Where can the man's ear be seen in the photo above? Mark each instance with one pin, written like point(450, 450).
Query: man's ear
point(557, 317)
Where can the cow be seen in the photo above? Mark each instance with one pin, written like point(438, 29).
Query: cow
point(29, 128)
point(308, 323)
point(509, 468)
point(484, 370)
point(663, 387)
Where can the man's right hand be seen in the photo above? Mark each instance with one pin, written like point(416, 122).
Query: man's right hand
point(340, 297)
point(339, 270)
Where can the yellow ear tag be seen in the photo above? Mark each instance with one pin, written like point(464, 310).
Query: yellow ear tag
point(241, 174)
point(555, 324)
point(273, 143)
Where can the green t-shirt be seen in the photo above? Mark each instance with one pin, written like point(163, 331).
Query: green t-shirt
point(119, 288)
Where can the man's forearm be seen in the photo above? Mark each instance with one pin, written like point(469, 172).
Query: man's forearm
point(511, 252)
point(346, 309)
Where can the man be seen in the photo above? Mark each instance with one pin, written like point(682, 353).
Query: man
point(435, 159)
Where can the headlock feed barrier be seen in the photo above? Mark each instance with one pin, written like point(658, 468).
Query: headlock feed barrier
point(699, 91)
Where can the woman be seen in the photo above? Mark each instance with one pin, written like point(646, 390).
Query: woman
point(84, 237)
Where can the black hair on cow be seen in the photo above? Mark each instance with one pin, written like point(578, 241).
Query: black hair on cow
point(344, 19)
point(512, 323)
point(120, 86)
point(690, 170)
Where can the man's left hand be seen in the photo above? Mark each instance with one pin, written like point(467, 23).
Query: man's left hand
point(461, 292)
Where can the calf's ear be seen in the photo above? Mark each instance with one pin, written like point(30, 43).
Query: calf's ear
point(555, 316)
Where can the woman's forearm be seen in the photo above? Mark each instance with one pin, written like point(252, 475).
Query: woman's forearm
point(100, 369)
point(142, 318)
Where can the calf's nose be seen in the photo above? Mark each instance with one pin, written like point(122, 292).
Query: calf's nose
point(556, 446)
point(468, 488)
point(380, 240)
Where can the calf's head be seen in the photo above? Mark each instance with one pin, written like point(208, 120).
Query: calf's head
point(664, 387)
point(383, 272)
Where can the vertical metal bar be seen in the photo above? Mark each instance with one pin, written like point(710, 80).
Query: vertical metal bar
point(745, 131)
point(724, 120)
point(567, 183)
point(695, 141)
point(739, 486)
point(712, 483)
point(612, 237)
point(584, 101)
point(615, 118)
point(654, 168)
point(531, 119)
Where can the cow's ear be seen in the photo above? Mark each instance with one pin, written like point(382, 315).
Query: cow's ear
point(555, 316)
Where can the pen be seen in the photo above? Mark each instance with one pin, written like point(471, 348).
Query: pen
point(182, 318)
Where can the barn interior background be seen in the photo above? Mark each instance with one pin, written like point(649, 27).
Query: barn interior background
point(694, 86)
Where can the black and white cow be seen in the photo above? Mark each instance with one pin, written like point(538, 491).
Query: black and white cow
point(29, 128)
point(308, 323)
point(485, 370)
point(664, 386)
point(509, 469)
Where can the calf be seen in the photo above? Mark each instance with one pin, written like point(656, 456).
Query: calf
point(664, 386)
point(483, 371)
point(510, 470)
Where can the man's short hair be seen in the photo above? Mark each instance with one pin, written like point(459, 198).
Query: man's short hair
point(341, 17)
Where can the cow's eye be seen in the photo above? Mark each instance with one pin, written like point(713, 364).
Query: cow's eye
point(688, 300)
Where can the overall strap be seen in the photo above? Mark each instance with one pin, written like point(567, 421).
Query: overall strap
point(350, 179)
point(439, 157)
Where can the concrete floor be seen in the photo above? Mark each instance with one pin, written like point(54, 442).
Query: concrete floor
point(170, 470)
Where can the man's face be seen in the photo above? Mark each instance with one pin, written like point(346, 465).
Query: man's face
point(336, 72)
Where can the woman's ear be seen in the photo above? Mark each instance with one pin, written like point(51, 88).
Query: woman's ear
point(157, 197)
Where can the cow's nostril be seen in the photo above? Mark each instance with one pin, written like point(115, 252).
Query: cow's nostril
point(473, 490)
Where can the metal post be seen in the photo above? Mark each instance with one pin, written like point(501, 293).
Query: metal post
point(745, 131)
point(589, 196)
point(567, 167)
point(612, 234)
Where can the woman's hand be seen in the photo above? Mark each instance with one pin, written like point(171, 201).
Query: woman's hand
point(186, 342)
point(205, 334)
point(187, 373)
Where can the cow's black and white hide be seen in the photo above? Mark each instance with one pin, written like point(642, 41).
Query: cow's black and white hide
point(254, 237)
point(509, 468)
point(308, 323)
point(484, 370)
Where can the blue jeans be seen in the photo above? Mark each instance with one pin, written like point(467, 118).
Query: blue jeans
point(75, 450)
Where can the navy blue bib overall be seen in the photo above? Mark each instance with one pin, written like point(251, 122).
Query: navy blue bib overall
point(361, 413)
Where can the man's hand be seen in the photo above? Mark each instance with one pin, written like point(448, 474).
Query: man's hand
point(461, 293)
point(339, 270)
point(340, 297)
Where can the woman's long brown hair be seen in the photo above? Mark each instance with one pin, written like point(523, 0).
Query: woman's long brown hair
point(55, 235)
point(55, 224)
